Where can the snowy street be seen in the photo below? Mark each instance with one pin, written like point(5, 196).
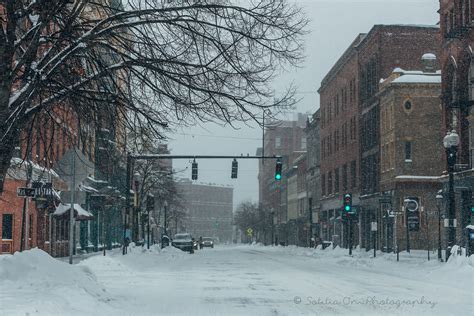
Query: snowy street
point(236, 280)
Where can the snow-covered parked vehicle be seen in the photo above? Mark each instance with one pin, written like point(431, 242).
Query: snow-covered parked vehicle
point(183, 241)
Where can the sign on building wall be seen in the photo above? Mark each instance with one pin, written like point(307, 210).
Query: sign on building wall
point(412, 209)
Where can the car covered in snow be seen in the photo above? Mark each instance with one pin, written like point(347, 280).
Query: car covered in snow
point(183, 241)
point(207, 242)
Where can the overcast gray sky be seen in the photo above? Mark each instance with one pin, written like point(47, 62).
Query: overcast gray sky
point(334, 25)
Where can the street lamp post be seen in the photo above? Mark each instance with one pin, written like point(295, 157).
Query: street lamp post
point(451, 142)
point(439, 201)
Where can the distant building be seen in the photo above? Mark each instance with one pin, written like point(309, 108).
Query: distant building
point(410, 147)
point(288, 140)
point(313, 176)
point(209, 210)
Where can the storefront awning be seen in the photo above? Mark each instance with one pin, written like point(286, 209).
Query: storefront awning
point(79, 213)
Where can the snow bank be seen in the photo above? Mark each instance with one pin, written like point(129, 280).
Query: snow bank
point(136, 260)
point(56, 285)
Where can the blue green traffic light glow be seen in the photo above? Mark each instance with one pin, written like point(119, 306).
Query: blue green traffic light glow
point(278, 176)
point(347, 208)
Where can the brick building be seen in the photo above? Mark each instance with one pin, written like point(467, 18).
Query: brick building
point(457, 64)
point(47, 145)
point(339, 140)
point(286, 139)
point(350, 136)
point(410, 114)
point(297, 230)
point(313, 177)
point(385, 48)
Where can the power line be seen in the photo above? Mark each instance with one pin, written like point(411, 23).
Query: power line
point(216, 136)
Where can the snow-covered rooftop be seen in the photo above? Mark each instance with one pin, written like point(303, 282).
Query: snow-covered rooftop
point(80, 212)
point(415, 76)
point(409, 78)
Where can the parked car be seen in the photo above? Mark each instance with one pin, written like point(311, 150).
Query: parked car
point(207, 242)
point(183, 241)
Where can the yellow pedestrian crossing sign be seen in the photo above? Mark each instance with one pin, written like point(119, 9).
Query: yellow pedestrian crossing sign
point(249, 232)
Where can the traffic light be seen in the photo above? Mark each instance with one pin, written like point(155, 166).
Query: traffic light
point(347, 203)
point(278, 170)
point(235, 165)
point(194, 171)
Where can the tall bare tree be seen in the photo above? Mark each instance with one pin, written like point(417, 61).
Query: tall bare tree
point(142, 62)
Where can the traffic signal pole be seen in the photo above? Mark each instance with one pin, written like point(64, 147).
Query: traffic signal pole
point(350, 235)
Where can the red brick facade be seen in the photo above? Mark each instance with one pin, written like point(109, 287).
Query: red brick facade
point(350, 136)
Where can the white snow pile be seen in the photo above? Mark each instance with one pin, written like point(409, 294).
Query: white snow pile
point(56, 285)
point(136, 260)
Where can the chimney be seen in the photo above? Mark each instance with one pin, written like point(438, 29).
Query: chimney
point(429, 63)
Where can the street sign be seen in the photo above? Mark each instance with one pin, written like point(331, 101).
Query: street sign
point(43, 191)
point(25, 192)
point(249, 232)
point(412, 207)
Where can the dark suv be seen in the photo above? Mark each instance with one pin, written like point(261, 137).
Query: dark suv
point(184, 242)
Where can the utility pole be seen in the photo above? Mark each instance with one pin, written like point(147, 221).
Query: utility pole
point(71, 210)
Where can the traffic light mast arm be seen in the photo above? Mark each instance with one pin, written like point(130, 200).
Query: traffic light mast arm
point(159, 156)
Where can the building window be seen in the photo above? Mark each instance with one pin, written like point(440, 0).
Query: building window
point(38, 141)
point(7, 226)
point(463, 13)
point(323, 184)
point(471, 80)
point(353, 174)
point(329, 182)
point(344, 178)
point(336, 180)
point(303, 143)
point(471, 145)
point(277, 142)
point(30, 227)
point(407, 105)
point(408, 155)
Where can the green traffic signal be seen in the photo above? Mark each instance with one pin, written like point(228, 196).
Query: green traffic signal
point(278, 168)
point(347, 202)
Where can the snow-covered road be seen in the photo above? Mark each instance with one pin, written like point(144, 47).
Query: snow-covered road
point(257, 280)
